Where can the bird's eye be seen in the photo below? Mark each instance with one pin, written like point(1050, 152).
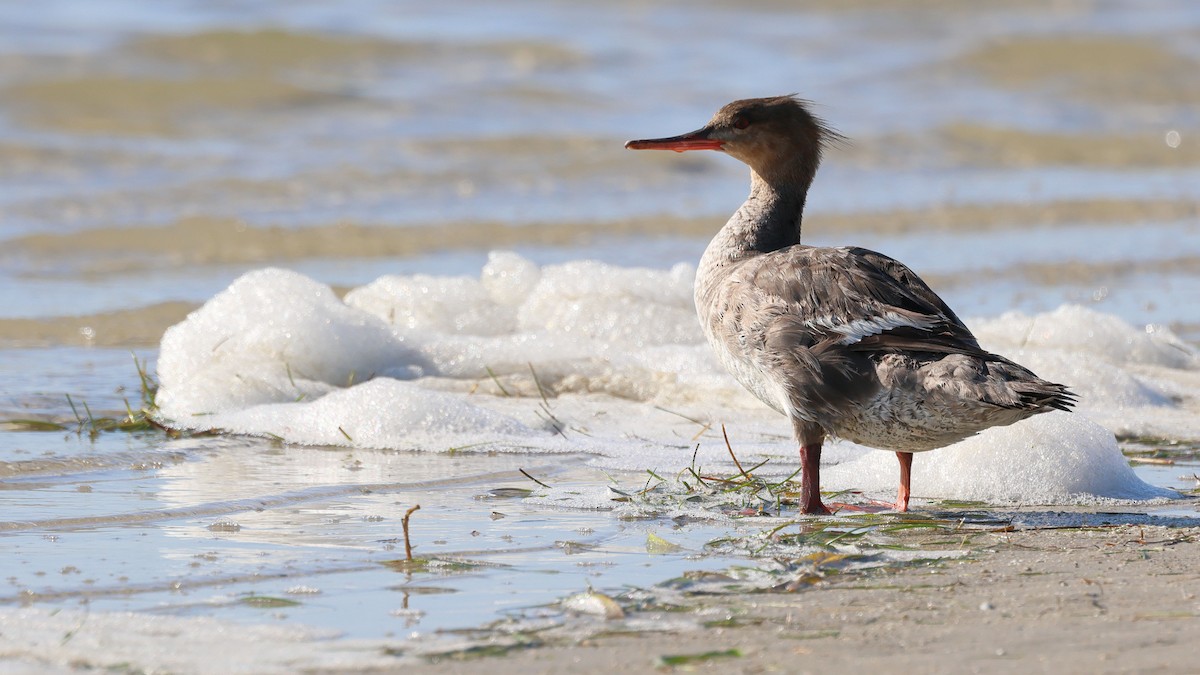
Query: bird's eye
point(740, 122)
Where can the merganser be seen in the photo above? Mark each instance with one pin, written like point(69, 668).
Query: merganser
point(844, 341)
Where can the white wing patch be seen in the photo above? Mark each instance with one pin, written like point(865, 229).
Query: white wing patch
point(857, 329)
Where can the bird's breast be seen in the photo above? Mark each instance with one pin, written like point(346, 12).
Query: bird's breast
point(736, 340)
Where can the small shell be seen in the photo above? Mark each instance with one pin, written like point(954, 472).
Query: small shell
point(594, 603)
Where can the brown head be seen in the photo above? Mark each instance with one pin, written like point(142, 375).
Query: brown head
point(777, 137)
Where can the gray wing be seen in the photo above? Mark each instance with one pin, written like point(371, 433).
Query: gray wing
point(827, 316)
point(860, 299)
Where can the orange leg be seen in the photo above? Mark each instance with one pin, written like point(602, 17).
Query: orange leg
point(810, 480)
point(905, 479)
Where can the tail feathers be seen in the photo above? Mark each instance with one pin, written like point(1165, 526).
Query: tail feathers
point(995, 381)
point(1032, 392)
point(1043, 395)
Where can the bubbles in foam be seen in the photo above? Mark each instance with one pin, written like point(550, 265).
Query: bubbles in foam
point(1082, 331)
point(273, 335)
point(509, 278)
point(381, 413)
point(634, 307)
point(1051, 458)
point(424, 303)
point(1132, 381)
point(439, 362)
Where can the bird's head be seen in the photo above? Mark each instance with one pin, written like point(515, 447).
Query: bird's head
point(777, 137)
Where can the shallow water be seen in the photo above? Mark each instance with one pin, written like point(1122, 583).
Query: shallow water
point(155, 155)
point(174, 539)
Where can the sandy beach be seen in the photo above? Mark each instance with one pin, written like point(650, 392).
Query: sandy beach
point(1116, 599)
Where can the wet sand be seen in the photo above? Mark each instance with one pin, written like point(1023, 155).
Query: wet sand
point(970, 144)
point(1098, 68)
point(1106, 600)
point(228, 71)
point(140, 327)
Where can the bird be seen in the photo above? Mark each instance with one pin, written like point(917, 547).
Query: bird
point(844, 341)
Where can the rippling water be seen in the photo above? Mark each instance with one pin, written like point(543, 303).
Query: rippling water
point(1017, 156)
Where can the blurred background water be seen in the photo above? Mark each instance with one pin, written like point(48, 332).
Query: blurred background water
point(1019, 155)
point(151, 152)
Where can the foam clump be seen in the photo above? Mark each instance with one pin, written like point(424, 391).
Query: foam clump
point(1083, 331)
point(633, 307)
point(381, 413)
point(1133, 381)
point(508, 278)
point(273, 335)
point(434, 304)
point(593, 358)
point(1052, 458)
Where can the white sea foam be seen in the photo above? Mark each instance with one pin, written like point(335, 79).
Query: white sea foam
point(1133, 381)
point(448, 362)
